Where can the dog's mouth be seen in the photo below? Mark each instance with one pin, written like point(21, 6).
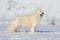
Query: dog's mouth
point(42, 14)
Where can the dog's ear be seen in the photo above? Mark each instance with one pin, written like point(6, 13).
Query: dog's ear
point(38, 9)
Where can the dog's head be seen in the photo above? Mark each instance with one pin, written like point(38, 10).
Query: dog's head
point(40, 12)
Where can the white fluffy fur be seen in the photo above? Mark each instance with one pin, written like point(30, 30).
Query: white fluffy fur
point(29, 21)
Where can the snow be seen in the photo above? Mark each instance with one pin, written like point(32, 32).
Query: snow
point(30, 36)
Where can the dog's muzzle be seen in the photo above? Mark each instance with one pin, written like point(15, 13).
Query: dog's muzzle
point(42, 14)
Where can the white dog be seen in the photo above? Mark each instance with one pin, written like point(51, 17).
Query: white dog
point(29, 21)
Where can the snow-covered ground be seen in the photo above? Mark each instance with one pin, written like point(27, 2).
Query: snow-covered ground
point(43, 32)
point(31, 36)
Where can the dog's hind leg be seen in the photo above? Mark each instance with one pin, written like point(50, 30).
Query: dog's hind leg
point(9, 29)
point(16, 30)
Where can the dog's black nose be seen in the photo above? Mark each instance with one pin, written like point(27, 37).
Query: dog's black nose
point(42, 13)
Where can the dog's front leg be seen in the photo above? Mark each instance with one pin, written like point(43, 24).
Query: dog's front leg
point(32, 29)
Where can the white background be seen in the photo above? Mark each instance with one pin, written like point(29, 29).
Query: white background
point(50, 7)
